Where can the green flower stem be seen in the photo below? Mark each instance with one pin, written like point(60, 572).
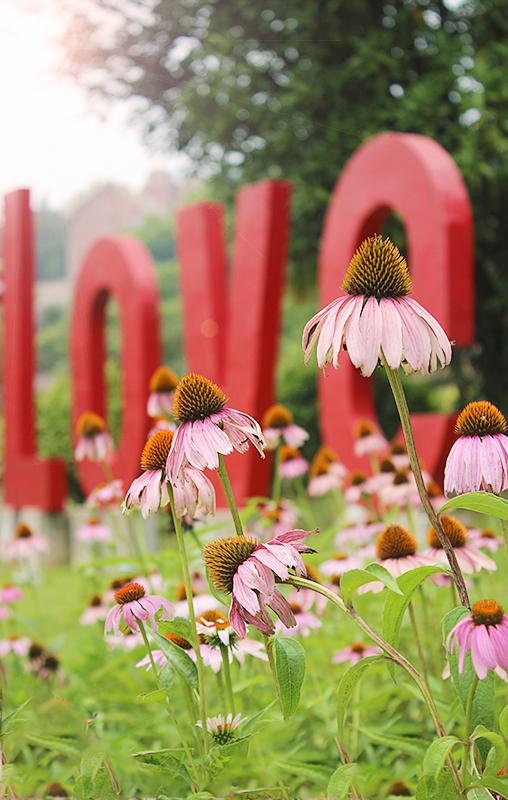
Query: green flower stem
point(192, 616)
point(402, 407)
point(421, 655)
point(230, 497)
point(227, 678)
point(271, 662)
point(468, 723)
point(277, 481)
point(171, 714)
point(390, 651)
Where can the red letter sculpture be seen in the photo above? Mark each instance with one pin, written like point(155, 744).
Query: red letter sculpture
point(120, 267)
point(415, 177)
point(231, 327)
point(29, 481)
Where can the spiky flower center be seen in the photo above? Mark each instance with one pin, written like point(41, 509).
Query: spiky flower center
point(277, 416)
point(129, 593)
point(55, 789)
point(480, 418)
point(358, 647)
point(434, 489)
point(35, 651)
point(487, 612)
point(163, 380)
point(288, 453)
point(488, 533)
point(377, 269)
point(95, 600)
point(196, 397)
point(358, 478)
point(181, 592)
point(178, 640)
point(90, 424)
point(222, 558)
point(156, 450)
point(399, 789)
point(224, 735)
point(93, 521)
point(395, 542)
point(387, 466)
point(398, 449)
point(23, 531)
point(454, 530)
point(322, 461)
point(313, 573)
point(400, 478)
point(364, 428)
point(214, 619)
point(117, 583)
point(296, 608)
point(339, 555)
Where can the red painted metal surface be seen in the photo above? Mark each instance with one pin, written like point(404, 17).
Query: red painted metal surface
point(231, 323)
point(118, 267)
point(416, 178)
point(28, 480)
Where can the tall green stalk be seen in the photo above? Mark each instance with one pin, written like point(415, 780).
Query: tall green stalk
point(230, 496)
point(402, 407)
point(192, 615)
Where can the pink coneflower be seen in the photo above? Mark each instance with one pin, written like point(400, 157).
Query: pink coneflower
point(339, 563)
point(161, 424)
point(215, 630)
point(193, 494)
point(355, 652)
point(278, 426)
point(292, 463)
point(402, 491)
point(24, 545)
point(306, 621)
point(96, 611)
point(359, 534)
point(470, 558)
point(357, 488)
point(10, 593)
point(479, 458)
point(483, 633)
point(486, 538)
point(162, 392)
point(105, 495)
point(382, 478)
point(208, 428)
point(435, 493)
point(399, 456)
point(396, 550)
point(93, 531)
point(376, 321)
point(247, 569)
point(369, 441)
point(133, 604)
point(18, 645)
point(202, 601)
point(159, 660)
point(5, 613)
point(94, 440)
point(327, 474)
point(125, 641)
point(222, 728)
point(149, 491)
point(277, 517)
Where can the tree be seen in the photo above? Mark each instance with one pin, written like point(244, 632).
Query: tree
point(265, 88)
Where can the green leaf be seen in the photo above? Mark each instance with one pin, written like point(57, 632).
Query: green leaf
point(164, 760)
point(405, 744)
point(497, 754)
point(157, 696)
point(354, 578)
point(482, 502)
point(437, 753)
point(341, 780)
point(498, 785)
point(396, 605)
point(178, 658)
point(503, 722)
point(214, 592)
point(348, 683)
point(179, 626)
point(290, 671)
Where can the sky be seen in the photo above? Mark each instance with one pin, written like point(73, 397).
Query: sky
point(51, 140)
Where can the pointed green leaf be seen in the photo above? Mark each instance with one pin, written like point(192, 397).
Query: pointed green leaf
point(178, 658)
point(354, 578)
point(341, 780)
point(178, 625)
point(482, 502)
point(396, 605)
point(290, 670)
point(497, 754)
point(437, 753)
point(348, 683)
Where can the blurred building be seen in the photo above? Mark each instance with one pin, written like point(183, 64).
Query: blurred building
point(113, 208)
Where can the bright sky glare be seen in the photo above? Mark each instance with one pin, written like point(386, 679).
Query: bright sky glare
point(50, 140)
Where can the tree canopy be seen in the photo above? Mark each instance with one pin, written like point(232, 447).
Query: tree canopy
point(253, 89)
